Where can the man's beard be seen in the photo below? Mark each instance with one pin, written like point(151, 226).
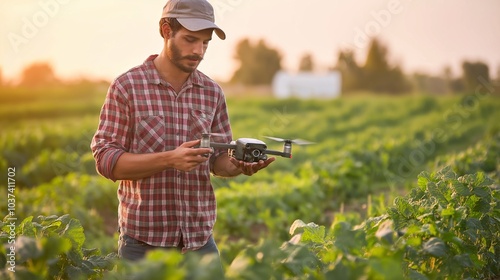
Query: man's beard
point(177, 59)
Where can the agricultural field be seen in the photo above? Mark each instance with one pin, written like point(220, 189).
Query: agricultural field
point(395, 187)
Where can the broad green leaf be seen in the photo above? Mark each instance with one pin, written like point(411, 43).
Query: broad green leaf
point(91, 252)
point(393, 213)
point(451, 237)
point(489, 223)
point(463, 260)
point(74, 232)
point(101, 262)
point(47, 219)
point(482, 206)
point(404, 207)
point(448, 211)
point(482, 192)
point(435, 247)
point(300, 258)
point(51, 226)
point(310, 232)
point(415, 275)
point(87, 267)
point(472, 234)
point(446, 173)
point(74, 255)
point(347, 239)
point(314, 233)
point(482, 180)
point(65, 219)
point(414, 241)
point(429, 229)
point(461, 189)
point(413, 229)
point(423, 179)
point(416, 194)
point(26, 227)
point(438, 193)
point(473, 224)
point(55, 245)
point(74, 272)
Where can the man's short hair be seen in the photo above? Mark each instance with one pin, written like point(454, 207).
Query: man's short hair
point(173, 23)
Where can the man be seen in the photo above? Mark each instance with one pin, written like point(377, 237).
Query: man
point(150, 126)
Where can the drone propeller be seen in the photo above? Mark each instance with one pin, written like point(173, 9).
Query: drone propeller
point(205, 139)
point(294, 141)
point(213, 134)
point(206, 143)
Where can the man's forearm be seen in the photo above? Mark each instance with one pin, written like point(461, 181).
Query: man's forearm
point(137, 166)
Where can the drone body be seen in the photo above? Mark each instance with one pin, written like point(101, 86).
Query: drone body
point(250, 149)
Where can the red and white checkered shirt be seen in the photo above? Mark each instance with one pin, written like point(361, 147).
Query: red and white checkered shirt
point(143, 114)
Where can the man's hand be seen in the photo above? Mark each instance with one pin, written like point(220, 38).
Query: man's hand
point(186, 157)
point(250, 168)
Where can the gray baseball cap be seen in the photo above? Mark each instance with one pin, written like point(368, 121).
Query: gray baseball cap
point(194, 15)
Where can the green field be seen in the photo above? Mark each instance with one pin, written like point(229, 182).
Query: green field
point(394, 187)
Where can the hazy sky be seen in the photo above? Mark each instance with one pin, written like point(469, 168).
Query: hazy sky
point(103, 38)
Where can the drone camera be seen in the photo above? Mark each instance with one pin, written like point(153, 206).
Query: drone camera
point(256, 153)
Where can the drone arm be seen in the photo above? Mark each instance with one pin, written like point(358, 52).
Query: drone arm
point(222, 146)
point(277, 153)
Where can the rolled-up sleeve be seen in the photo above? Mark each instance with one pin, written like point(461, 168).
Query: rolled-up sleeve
point(112, 139)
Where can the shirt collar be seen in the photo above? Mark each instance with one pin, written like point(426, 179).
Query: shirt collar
point(154, 76)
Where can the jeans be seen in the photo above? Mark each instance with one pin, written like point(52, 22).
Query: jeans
point(135, 250)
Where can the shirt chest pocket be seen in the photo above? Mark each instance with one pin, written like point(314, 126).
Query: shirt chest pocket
point(200, 121)
point(150, 134)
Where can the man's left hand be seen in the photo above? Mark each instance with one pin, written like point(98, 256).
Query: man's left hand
point(250, 168)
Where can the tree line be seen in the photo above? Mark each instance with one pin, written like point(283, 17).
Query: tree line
point(258, 63)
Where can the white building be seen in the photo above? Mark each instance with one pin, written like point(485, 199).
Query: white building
point(307, 84)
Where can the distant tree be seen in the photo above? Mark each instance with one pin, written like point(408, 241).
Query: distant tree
point(457, 85)
point(498, 74)
point(38, 74)
point(306, 63)
point(352, 74)
point(379, 75)
point(376, 75)
point(448, 78)
point(258, 63)
point(474, 74)
point(453, 84)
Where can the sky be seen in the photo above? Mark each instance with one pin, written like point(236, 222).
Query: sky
point(100, 39)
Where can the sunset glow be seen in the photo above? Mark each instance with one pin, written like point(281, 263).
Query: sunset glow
point(102, 39)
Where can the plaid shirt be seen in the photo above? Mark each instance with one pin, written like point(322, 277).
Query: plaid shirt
point(143, 114)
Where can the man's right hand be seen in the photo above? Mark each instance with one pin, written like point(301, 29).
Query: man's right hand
point(131, 166)
point(186, 157)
